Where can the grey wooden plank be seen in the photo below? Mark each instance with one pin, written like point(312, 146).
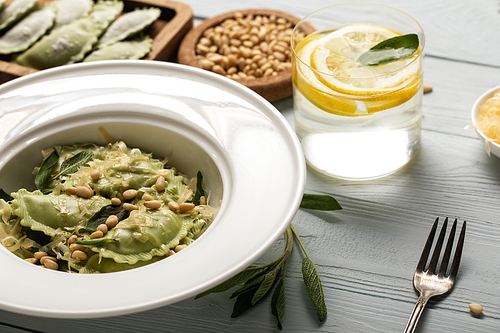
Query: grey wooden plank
point(460, 30)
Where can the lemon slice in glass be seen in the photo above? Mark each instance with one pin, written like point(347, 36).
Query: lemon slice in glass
point(333, 55)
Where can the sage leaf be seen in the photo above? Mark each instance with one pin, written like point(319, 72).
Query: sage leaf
point(390, 50)
point(200, 189)
point(102, 215)
point(266, 285)
point(46, 169)
point(243, 302)
point(278, 303)
point(38, 237)
point(72, 164)
point(319, 202)
point(5, 196)
point(250, 284)
point(314, 288)
point(96, 241)
point(239, 278)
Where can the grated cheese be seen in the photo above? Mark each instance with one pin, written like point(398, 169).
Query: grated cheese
point(489, 117)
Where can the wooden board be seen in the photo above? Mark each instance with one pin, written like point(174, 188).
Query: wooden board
point(175, 21)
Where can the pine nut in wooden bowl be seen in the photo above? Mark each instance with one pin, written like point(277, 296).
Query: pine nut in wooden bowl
point(250, 46)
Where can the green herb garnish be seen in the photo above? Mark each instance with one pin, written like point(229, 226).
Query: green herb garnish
point(390, 50)
point(5, 196)
point(72, 164)
point(102, 215)
point(96, 241)
point(259, 280)
point(319, 202)
point(200, 189)
point(46, 169)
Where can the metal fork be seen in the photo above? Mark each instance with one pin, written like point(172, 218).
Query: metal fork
point(426, 281)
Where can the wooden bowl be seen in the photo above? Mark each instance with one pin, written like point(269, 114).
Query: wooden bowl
point(272, 88)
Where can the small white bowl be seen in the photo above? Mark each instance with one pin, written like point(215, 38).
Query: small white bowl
point(250, 156)
point(490, 146)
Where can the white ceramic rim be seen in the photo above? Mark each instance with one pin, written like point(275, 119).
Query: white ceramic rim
point(148, 287)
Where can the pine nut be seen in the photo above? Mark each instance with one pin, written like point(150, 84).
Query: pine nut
point(245, 37)
point(72, 239)
point(180, 247)
point(219, 70)
point(171, 252)
point(95, 175)
point(173, 206)
point(40, 254)
point(427, 88)
point(185, 207)
point(111, 221)
point(203, 200)
point(84, 192)
point(476, 308)
point(153, 204)
point(46, 258)
point(96, 234)
point(51, 265)
point(129, 194)
point(129, 207)
point(102, 228)
point(71, 190)
point(268, 72)
point(31, 260)
point(147, 197)
point(67, 156)
point(207, 64)
point(160, 184)
point(116, 202)
point(80, 255)
point(75, 247)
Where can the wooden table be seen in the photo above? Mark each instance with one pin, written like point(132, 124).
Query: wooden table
point(366, 254)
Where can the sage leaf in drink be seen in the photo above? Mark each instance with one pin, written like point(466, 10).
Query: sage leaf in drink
point(390, 50)
point(319, 202)
point(72, 164)
point(200, 189)
point(278, 303)
point(46, 169)
point(314, 288)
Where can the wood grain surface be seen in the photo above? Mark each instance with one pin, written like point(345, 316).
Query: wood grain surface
point(366, 254)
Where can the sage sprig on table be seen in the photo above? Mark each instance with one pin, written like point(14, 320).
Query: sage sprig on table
point(259, 280)
point(390, 50)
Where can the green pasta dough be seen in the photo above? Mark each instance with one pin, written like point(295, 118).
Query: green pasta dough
point(65, 45)
point(103, 209)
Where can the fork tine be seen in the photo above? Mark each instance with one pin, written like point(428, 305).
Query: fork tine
point(437, 249)
point(447, 252)
point(458, 253)
point(427, 247)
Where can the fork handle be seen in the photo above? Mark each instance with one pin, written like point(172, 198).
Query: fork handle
point(415, 315)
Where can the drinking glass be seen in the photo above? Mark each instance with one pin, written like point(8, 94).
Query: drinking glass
point(355, 120)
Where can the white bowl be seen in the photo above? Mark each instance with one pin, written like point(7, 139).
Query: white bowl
point(491, 147)
point(250, 157)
